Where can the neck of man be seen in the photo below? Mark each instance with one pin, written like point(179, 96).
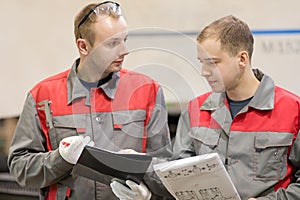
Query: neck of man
point(246, 88)
point(90, 74)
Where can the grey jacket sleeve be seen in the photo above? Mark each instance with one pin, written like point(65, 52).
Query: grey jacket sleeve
point(159, 142)
point(28, 160)
point(183, 144)
point(158, 145)
point(293, 190)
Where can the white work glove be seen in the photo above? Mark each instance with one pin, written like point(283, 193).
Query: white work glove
point(71, 147)
point(140, 192)
point(130, 151)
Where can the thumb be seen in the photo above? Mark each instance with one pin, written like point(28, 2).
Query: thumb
point(141, 190)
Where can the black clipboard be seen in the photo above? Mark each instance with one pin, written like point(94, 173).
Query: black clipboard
point(94, 162)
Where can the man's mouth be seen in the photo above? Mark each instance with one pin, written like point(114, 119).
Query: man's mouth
point(212, 82)
point(118, 62)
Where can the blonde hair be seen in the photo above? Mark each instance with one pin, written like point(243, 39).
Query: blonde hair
point(234, 35)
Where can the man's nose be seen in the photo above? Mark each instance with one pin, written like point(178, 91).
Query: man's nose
point(205, 70)
point(123, 51)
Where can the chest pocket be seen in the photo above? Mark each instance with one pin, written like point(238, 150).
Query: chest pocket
point(205, 140)
point(270, 157)
point(66, 126)
point(128, 128)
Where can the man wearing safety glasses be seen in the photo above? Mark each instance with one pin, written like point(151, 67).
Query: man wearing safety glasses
point(96, 103)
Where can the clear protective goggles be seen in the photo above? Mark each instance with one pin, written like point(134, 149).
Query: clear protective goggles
point(106, 7)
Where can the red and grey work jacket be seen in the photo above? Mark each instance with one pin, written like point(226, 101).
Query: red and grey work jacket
point(260, 147)
point(127, 112)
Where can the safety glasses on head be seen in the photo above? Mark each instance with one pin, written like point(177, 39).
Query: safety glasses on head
point(106, 7)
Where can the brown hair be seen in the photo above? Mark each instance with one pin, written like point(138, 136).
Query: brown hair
point(85, 30)
point(234, 35)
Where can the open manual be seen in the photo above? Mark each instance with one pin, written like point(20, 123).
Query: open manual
point(202, 177)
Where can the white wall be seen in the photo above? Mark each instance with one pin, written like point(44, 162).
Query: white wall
point(37, 41)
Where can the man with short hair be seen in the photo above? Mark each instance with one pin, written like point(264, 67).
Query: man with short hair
point(97, 103)
point(251, 123)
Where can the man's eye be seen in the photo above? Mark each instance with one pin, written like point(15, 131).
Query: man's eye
point(112, 44)
point(211, 63)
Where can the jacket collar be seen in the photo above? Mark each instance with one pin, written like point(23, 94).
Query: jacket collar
point(263, 98)
point(77, 90)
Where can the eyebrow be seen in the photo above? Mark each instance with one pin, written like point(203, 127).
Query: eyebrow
point(208, 59)
point(118, 37)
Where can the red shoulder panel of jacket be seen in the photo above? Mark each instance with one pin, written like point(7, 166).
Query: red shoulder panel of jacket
point(284, 117)
point(200, 117)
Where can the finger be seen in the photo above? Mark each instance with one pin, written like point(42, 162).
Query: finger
point(91, 143)
point(81, 137)
point(121, 190)
point(133, 185)
point(86, 140)
point(128, 151)
point(114, 187)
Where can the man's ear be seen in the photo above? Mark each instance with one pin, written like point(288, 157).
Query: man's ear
point(243, 58)
point(83, 46)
